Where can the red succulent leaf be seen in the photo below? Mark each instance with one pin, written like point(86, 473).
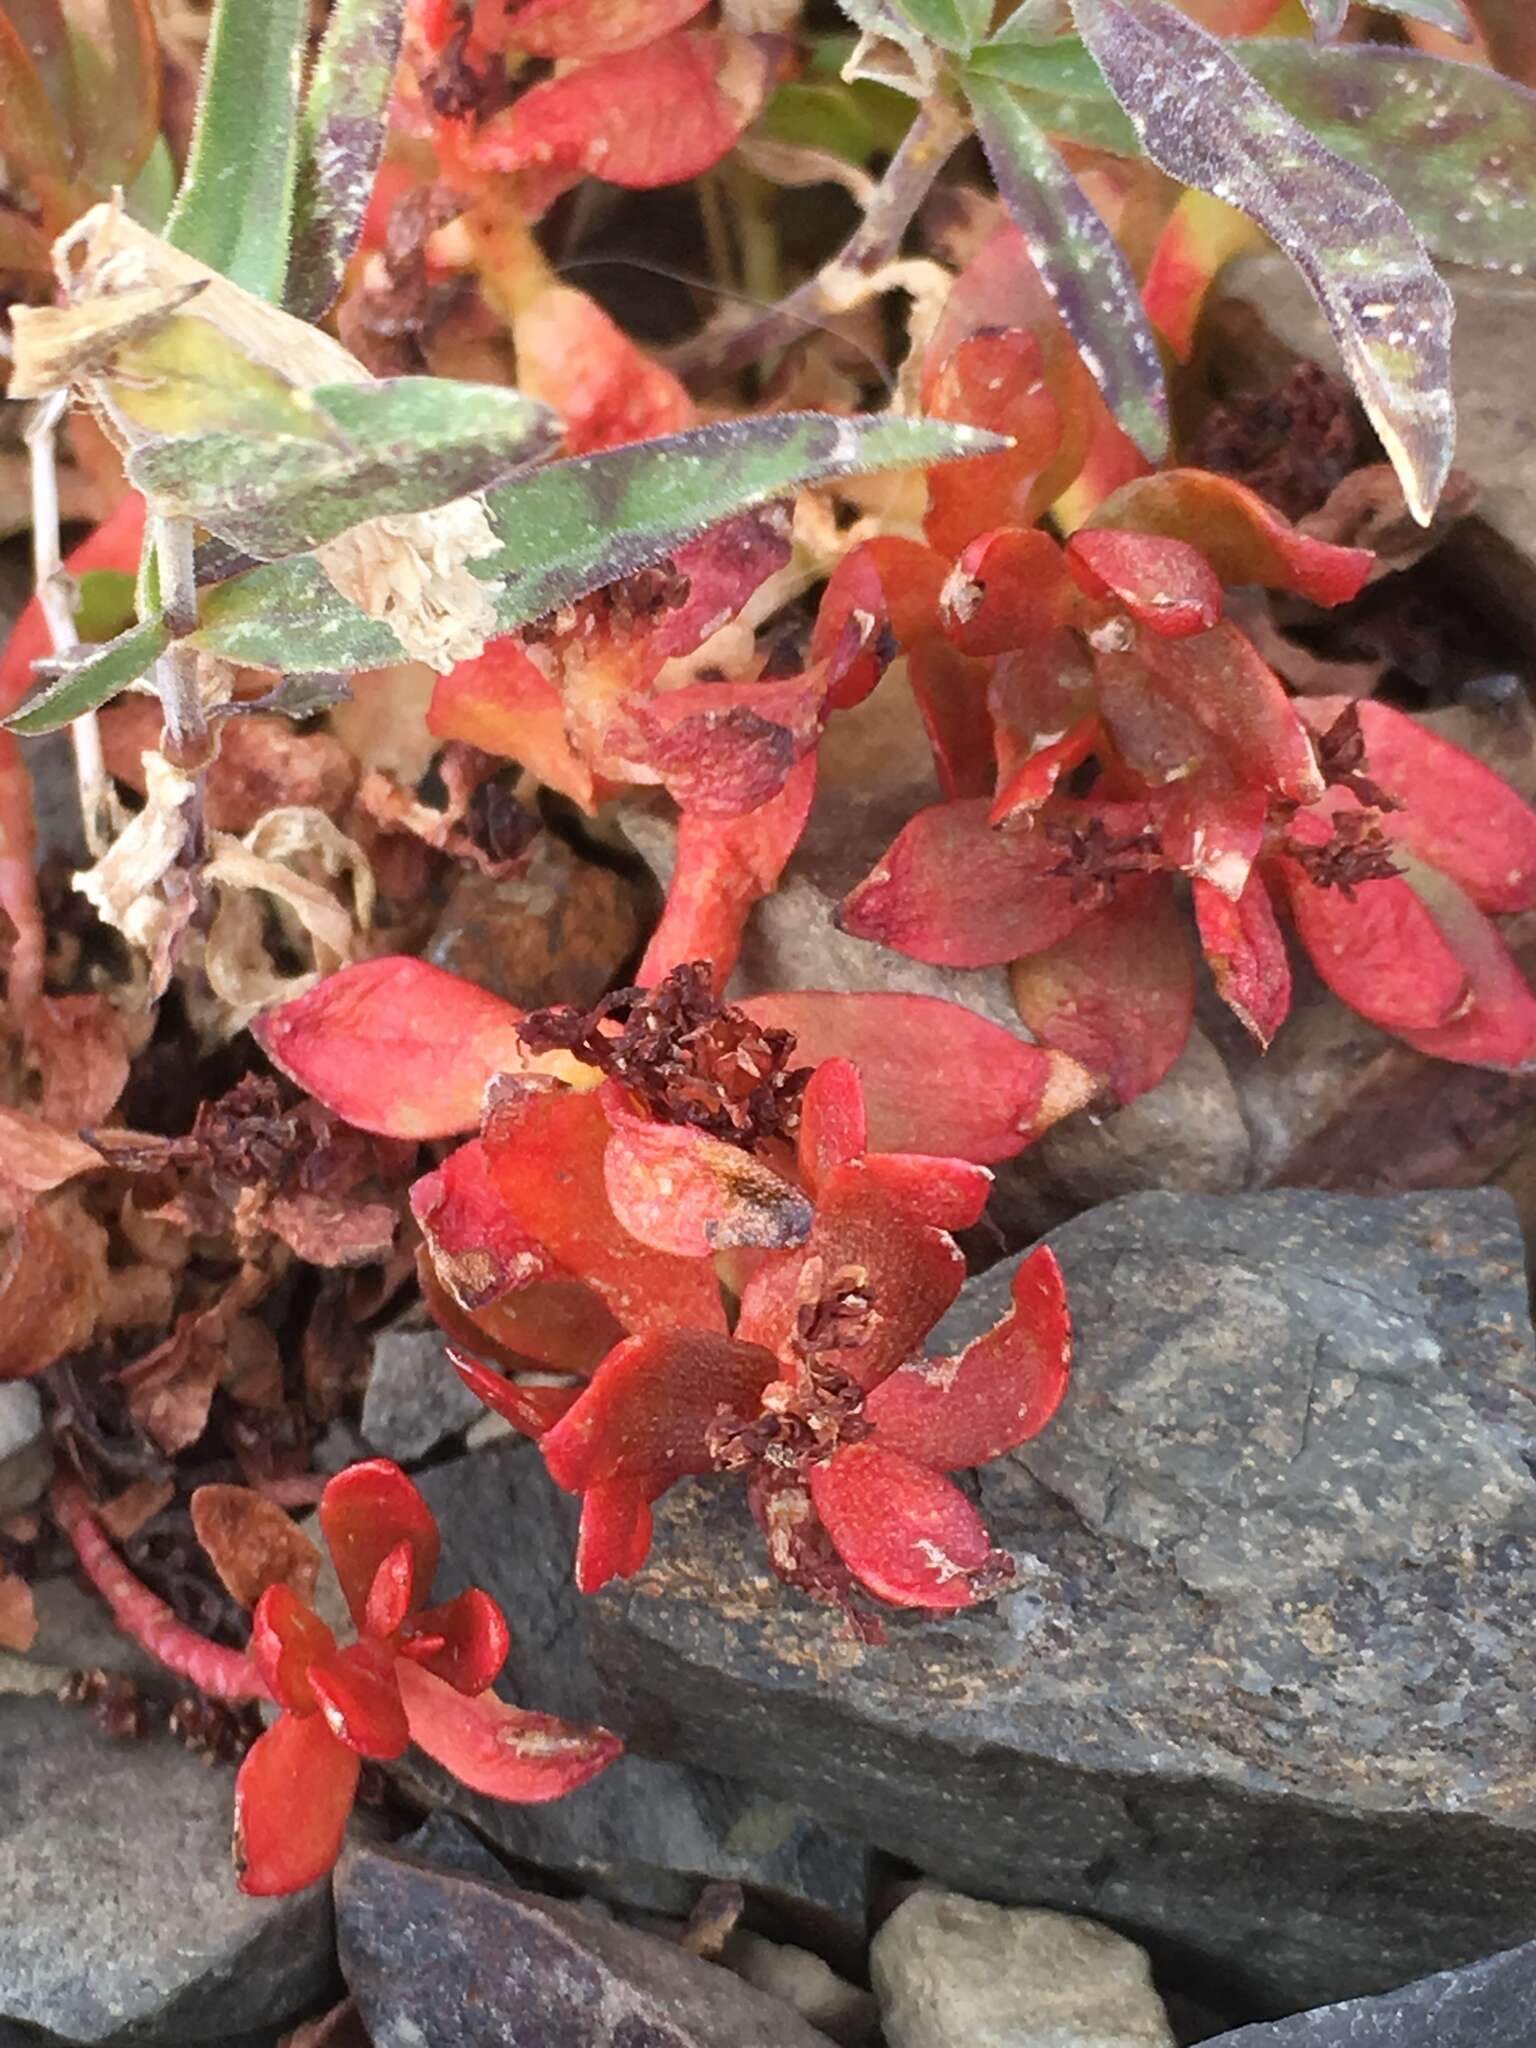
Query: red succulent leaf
point(389, 1597)
point(998, 379)
point(1166, 585)
point(950, 690)
point(834, 1126)
point(546, 1151)
point(1242, 538)
point(722, 749)
point(1378, 947)
point(1457, 814)
point(722, 867)
point(360, 1700)
point(614, 1537)
point(956, 892)
point(365, 1512)
point(1246, 955)
point(1001, 1390)
point(116, 544)
point(950, 1194)
point(1211, 830)
point(679, 1190)
point(478, 1247)
point(1496, 1026)
point(883, 596)
point(464, 1642)
point(503, 704)
point(501, 1751)
point(937, 1077)
point(1218, 681)
point(1118, 993)
point(645, 1415)
point(572, 357)
point(1007, 590)
point(287, 1637)
point(863, 1238)
point(395, 1046)
point(559, 1325)
point(659, 115)
point(904, 1531)
point(530, 1410)
point(293, 1794)
point(1034, 774)
point(578, 28)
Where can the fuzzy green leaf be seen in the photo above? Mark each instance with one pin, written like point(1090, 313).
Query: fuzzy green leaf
point(1453, 144)
point(289, 616)
point(1064, 90)
point(953, 24)
point(400, 445)
point(1080, 263)
point(576, 525)
point(1203, 120)
point(235, 208)
point(92, 681)
point(341, 137)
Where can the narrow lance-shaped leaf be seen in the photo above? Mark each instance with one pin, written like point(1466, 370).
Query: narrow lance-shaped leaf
point(1202, 119)
point(952, 24)
point(341, 139)
point(235, 207)
point(117, 97)
point(36, 151)
point(1064, 90)
point(92, 681)
point(44, 35)
point(577, 525)
point(289, 615)
point(401, 445)
point(1453, 144)
point(1080, 263)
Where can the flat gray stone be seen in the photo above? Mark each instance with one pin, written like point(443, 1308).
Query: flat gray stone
point(1486, 2005)
point(26, 1456)
point(952, 1972)
point(121, 1922)
point(644, 1833)
point(1261, 1697)
point(414, 1399)
point(438, 1959)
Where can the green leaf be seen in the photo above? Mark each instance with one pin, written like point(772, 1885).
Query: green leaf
point(576, 525)
point(92, 681)
point(1450, 15)
point(1203, 120)
point(1064, 90)
point(854, 122)
point(117, 94)
point(1453, 144)
point(399, 445)
point(235, 208)
point(341, 141)
point(104, 604)
point(152, 194)
point(957, 25)
point(290, 616)
point(1079, 262)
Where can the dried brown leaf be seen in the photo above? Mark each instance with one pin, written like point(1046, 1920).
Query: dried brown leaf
point(252, 1544)
point(18, 1617)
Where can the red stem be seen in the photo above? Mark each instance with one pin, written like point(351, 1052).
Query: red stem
point(142, 1616)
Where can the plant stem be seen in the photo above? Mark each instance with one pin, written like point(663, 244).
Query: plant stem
point(187, 744)
point(223, 1674)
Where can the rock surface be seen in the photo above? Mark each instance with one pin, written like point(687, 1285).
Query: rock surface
point(121, 1922)
point(835, 2007)
point(1261, 1697)
point(1488, 2004)
point(414, 1399)
point(439, 1957)
point(26, 1456)
point(645, 1833)
point(952, 1972)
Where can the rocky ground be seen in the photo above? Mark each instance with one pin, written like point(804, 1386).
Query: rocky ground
point(1248, 1753)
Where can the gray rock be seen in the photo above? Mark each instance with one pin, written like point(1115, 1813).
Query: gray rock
point(951, 1972)
point(414, 1399)
point(1261, 1697)
point(645, 1833)
point(26, 1456)
point(121, 1920)
point(439, 1960)
point(1486, 2005)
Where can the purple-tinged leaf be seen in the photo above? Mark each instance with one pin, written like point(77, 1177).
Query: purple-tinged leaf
point(341, 140)
point(1455, 145)
point(1079, 261)
point(1201, 118)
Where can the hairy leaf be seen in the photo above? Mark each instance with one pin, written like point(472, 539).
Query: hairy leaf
point(1064, 90)
point(93, 680)
point(1203, 120)
point(577, 525)
point(1079, 261)
point(234, 211)
point(290, 616)
point(341, 142)
point(952, 24)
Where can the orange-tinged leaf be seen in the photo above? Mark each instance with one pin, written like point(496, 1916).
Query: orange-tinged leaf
point(950, 690)
point(53, 1285)
point(503, 704)
point(18, 1615)
point(607, 390)
point(949, 1194)
point(396, 1046)
point(578, 28)
point(292, 1798)
point(1201, 236)
point(996, 380)
point(1246, 954)
point(1001, 1390)
point(35, 1158)
point(904, 1531)
point(36, 147)
point(530, 1409)
point(679, 1190)
point(936, 1076)
point(883, 596)
point(1008, 589)
point(365, 1512)
point(252, 1544)
point(118, 115)
point(479, 1249)
point(1496, 1027)
point(1166, 585)
point(723, 749)
point(1118, 993)
point(834, 1128)
point(501, 1751)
